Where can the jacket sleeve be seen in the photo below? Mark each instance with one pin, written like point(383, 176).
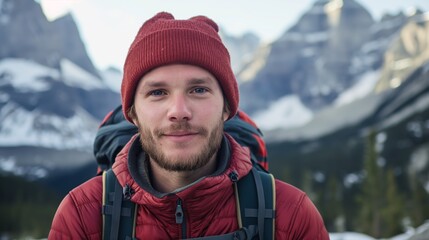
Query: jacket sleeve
point(297, 217)
point(67, 223)
point(79, 214)
point(308, 222)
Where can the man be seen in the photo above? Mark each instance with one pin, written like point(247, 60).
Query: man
point(179, 89)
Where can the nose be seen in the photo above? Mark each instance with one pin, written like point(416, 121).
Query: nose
point(179, 109)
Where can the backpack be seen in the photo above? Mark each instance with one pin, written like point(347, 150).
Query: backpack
point(255, 192)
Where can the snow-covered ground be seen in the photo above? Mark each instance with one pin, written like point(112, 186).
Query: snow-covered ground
point(349, 236)
point(419, 233)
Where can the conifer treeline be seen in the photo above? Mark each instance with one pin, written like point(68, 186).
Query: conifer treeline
point(377, 205)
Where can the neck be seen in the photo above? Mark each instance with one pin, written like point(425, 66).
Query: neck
point(166, 181)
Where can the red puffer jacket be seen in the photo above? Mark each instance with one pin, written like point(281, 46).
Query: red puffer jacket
point(209, 206)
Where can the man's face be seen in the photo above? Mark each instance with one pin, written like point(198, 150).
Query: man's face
point(180, 114)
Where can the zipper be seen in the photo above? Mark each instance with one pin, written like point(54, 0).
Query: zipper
point(180, 217)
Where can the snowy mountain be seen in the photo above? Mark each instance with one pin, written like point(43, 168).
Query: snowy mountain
point(52, 98)
point(316, 93)
point(26, 33)
point(333, 147)
point(112, 77)
point(311, 59)
point(320, 57)
point(241, 48)
point(49, 116)
point(29, 118)
point(290, 113)
point(407, 51)
point(355, 106)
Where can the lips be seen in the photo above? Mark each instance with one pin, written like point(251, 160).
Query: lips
point(181, 130)
point(179, 134)
point(180, 137)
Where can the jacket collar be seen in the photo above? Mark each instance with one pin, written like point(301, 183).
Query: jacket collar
point(138, 166)
point(231, 158)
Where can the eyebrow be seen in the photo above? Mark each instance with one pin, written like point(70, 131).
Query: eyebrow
point(154, 84)
point(192, 81)
point(203, 80)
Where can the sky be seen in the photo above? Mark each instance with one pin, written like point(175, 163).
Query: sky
point(108, 27)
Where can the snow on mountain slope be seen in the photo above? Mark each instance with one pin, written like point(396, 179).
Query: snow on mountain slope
point(329, 120)
point(25, 75)
point(362, 88)
point(112, 78)
point(44, 107)
point(33, 128)
point(287, 112)
point(9, 165)
point(75, 76)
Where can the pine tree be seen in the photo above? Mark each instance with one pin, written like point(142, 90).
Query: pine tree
point(333, 204)
point(307, 185)
point(393, 211)
point(419, 207)
point(370, 199)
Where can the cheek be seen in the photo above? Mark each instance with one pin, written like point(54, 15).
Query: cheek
point(214, 113)
point(146, 112)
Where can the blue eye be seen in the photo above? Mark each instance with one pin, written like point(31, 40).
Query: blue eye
point(157, 93)
point(200, 90)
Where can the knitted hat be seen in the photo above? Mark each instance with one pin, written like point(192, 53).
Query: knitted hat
point(163, 40)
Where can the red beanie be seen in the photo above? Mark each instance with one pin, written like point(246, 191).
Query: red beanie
point(163, 40)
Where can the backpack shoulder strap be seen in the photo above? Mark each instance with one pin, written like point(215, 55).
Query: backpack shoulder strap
point(119, 214)
point(255, 197)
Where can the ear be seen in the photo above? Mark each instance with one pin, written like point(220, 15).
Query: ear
point(132, 114)
point(225, 113)
point(135, 122)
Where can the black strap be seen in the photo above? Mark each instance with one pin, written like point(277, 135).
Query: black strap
point(255, 207)
point(261, 202)
point(256, 202)
point(118, 214)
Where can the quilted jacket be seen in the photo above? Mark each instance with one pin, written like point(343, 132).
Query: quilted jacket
point(208, 204)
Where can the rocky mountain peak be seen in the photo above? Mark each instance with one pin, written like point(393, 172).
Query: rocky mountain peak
point(241, 48)
point(312, 58)
point(408, 51)
point(27, 34)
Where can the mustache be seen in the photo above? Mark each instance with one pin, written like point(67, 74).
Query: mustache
point(181, 126)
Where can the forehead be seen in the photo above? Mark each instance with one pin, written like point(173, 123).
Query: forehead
point(178, 73)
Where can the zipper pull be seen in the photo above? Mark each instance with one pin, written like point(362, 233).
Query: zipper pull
point(233, 176)
point(179, 212)
point(127, 191)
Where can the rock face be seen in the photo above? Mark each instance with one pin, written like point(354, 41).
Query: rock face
point(408, 51)
point(241, 49)
point(312, 58)
point(26, 33)
point(52, 98)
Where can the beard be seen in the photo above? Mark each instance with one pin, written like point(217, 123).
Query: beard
point(191, 162)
